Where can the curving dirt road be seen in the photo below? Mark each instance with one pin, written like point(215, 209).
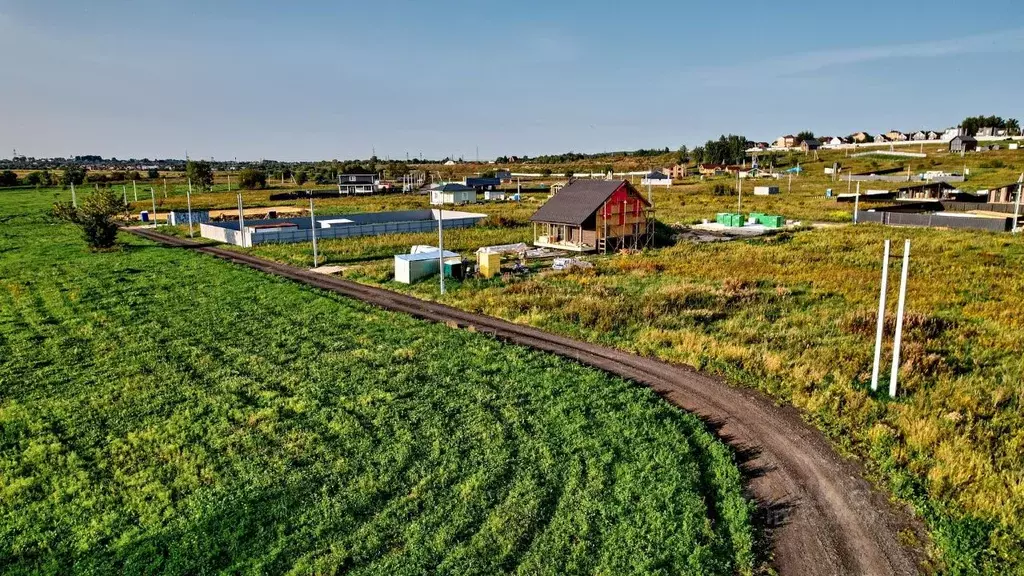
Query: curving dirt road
point(822, 517)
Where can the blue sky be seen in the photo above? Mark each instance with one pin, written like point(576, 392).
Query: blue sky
point(310, 79)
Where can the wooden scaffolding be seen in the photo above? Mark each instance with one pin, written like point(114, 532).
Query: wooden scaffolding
point(621, 226)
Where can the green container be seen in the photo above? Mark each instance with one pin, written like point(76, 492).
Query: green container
point(757, 216)
point(722, 218)
point(736, 220)
point(454, 270)
point(773, 221)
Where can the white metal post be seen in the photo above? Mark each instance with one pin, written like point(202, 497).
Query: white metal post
point(440, 239)
point(856, 205)
point(312, 220)
point(241, 220)
point(74, 199)
point(1016, 209)
point(124, 192)
point(739, 195)
point(899, 320)
point(153, 195)
point(135, 191)
point(881, 318)
point(188, 199)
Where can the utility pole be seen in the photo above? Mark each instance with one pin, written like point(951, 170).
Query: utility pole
point(312, 220)
point(881, 318)
point(899, 320)
point(165, 188)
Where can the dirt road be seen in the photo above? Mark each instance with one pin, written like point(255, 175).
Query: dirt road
point(822, 517)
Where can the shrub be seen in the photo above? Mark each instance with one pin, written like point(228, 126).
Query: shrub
point(252, 179)
point(39, 179)
point(95, 216)
point(8, 178)
point(73, 174)
point(720, 189)
point(501, 221)
point(152, 173)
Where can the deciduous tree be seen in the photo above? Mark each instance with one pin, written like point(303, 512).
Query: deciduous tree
point(96, 216)
point(200, 173)
point(252, 178)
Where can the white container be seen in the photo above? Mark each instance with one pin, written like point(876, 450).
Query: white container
point(410, 268)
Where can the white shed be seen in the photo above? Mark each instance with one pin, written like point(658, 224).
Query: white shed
point(452, 194)
point(765, 190)
point(491, 195)
point(412, 267)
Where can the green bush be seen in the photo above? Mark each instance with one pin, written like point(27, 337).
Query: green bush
point(96, 216)
point(8, 178)
point(39, 179)
point(252, 179)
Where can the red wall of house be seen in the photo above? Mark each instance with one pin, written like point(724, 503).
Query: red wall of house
point(633, 204)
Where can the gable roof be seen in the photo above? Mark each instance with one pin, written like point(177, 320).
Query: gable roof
point(451, 187)
point(578, 200)
point(360, 171)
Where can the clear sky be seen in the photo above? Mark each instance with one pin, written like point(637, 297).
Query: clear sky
point(314, 79)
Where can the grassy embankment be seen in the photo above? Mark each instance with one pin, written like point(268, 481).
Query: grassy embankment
point(794, 315)
point(162, 411)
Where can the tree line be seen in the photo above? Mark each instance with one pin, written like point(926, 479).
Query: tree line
point(972, 124)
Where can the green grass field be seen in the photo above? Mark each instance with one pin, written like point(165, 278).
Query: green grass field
point(793, 315)
point(165, 412)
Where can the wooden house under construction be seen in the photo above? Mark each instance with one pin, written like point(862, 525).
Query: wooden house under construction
point(594, 215)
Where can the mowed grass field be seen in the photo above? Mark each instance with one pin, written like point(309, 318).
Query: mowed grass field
point(794, 315)
point(165, 412)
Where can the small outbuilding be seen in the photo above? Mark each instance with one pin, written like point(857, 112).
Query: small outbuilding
point(810, 145)
point(410, 268)
point(452, 193)
point(963, 143)
point(765, 190)
point(935, 190)
point(656, 178)
point(1004, 194)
